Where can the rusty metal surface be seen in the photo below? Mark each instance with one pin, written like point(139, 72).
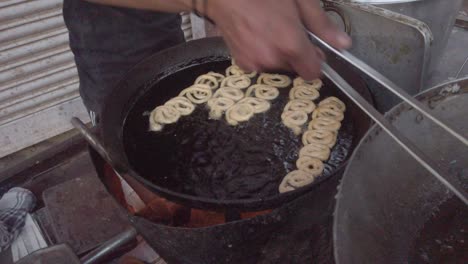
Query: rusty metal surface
point(83, 214)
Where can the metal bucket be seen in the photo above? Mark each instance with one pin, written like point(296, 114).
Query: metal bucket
point(389, 208)
point(401, 39)
point(439, 15)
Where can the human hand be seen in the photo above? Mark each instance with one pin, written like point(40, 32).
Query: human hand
point(268, 35)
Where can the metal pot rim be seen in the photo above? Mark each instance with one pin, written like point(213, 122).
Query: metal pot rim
point(435, 90)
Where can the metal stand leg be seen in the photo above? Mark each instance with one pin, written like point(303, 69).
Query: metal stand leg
point(109, 246)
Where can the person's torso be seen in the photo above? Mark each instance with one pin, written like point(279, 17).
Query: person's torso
point(107, 41)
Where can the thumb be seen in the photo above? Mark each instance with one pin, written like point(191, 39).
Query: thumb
point(316, 20)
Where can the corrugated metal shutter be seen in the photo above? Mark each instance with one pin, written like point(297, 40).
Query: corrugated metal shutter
point(38, 79)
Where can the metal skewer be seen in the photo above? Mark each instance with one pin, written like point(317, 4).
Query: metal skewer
point(448, 181)
point(389, 85)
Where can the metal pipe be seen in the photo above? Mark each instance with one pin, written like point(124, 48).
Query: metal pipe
point(404, 142)
point(145, 194)
point(103, 251)
point(97, 145)
point(461, 69)
point(389, 85)
point(91, 139)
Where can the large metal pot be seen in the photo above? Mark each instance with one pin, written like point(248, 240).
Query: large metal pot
point(402, 39)
point(390, 209)
point(439, 15)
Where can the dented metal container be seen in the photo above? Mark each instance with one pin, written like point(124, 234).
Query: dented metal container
point(401, 39)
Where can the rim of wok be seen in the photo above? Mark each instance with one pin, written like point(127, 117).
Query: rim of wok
point(156, 67)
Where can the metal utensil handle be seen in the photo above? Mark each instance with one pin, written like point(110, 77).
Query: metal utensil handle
point(99, 254)
point(389, 85)
point(404, 142)
point(91, 139)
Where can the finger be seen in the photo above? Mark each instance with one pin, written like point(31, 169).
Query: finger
point(268, 57)
point(320, 53)
point(241, 58)
point(263, 57)
point(307, 71)
point(307, 62)
point(317, 21)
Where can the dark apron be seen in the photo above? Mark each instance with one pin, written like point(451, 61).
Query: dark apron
point(108, 41)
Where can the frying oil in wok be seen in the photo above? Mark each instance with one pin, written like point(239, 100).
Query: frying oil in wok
point(209, 158)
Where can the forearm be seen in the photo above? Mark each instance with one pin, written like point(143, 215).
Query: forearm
point(262, 35)
point(170, 6)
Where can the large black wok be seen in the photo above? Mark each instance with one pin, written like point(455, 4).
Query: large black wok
point(208, 164)
point(389, 208)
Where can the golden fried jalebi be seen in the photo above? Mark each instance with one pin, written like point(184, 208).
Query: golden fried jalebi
point(335, 101)
point(239, 82)
point(276, 80)
point(328, 111)
point(323, 137)
point(229, 92)
point(324, 123)
point(304, 92)
point(300, 105)
point(315, 150)
point(163, 115)
point(239, 113)
point(310, 165)
point(218, 106)
point(317, 83)
point(294, 120)
point(208, 79)
point(236, 71)
point(259, 105)
point(181, 104)
point(198, 93)
point(295, 180)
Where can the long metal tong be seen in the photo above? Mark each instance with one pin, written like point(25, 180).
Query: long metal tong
point(440, 173)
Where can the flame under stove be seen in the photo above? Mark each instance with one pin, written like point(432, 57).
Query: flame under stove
point(162, 211)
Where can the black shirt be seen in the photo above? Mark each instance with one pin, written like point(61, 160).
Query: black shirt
point(107, 41)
